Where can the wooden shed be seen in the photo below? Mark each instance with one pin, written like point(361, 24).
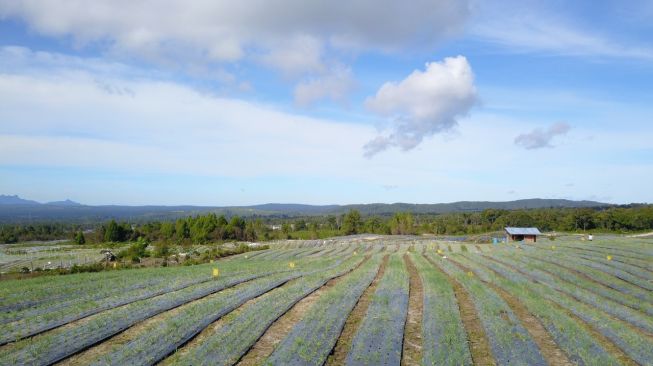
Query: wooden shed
point(527, 234)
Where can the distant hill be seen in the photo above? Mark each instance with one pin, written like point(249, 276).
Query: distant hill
point(15, 200)
point(66, 202)
point(14, 209)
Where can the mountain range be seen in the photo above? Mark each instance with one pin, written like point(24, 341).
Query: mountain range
point(14, 209)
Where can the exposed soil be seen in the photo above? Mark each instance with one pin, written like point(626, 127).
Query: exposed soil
point(266, 344)
point(606, 343)
point(476, 337)
point(412, 346)
point(343, 345)
point(548, 347)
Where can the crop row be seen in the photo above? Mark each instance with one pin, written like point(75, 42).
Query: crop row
point(509, 340)
point(312, 338)
point(379, 339)
point(549, 274)
point(164, 337)
point(62, 342)
point(73, 310)
point(443, 336)
point(571, 336)
point(241, 330)
point(601, 283)
point(634, 344)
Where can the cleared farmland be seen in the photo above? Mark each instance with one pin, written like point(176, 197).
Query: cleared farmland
point(355, 301)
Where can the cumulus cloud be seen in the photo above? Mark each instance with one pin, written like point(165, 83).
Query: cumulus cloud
point(539, 138)
point(423, 104)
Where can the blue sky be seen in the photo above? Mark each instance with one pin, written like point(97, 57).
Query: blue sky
point(223, 103)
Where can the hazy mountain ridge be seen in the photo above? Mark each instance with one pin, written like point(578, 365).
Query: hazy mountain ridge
point(14, 209)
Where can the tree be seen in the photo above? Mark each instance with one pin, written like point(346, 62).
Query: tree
point(112, 232)
point(401, 224)
point(79, 238)
point(351, 224)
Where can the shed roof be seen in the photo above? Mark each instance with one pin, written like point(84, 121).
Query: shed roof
point(523, 231)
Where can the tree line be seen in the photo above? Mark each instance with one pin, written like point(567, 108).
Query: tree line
point(213, 228)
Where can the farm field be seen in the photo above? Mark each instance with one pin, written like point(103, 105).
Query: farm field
point(377, 300)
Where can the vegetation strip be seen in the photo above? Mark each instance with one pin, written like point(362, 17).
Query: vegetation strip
point(343, 345)
point(581, 342)
point(311, 339)
point(73, 338)
point(578, 278)
point(632, 317)
point(633, 345)
point(379, 338)
point(476, 336)
point(279, 330)
point(412, 347)
point(443, 335)
point(165, 337)
point(548, 347)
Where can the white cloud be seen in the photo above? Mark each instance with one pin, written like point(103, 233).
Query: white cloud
point(539, 138)
point(423, 104)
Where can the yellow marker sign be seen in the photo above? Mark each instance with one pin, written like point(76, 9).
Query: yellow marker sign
point(470, 274)
point(609, 257)
point(216, 272)
point(211, 261)
point(115, 265)
point(291, 264)
point(439, 251)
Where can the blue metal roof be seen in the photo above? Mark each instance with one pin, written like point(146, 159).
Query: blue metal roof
point(523, 231)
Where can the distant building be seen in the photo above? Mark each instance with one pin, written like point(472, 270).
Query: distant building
point(527, 234)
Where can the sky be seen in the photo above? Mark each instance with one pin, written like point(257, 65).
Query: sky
point(216, 102)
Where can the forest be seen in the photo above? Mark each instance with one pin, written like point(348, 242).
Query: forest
point(211, 227)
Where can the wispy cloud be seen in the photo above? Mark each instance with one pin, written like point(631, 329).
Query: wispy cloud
point(539, 138)
point(531, 28)
point(423, 104)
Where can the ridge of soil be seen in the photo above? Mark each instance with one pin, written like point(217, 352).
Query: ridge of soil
point(355, 318)
point(412, 343)
point(479, 346)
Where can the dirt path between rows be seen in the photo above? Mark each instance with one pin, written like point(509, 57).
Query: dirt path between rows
point(476, 337)
point(266, 344)
point(548, 347)
point(605, 342)
point(412, 346)
point(343, 345)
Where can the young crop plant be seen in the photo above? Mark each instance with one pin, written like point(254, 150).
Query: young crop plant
point(62, 342)
point(637, 346)
point(379, 338)
point(509, 340)
point(569, 334)
point(311, 340)
point(443, 336)
point(240, 331)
